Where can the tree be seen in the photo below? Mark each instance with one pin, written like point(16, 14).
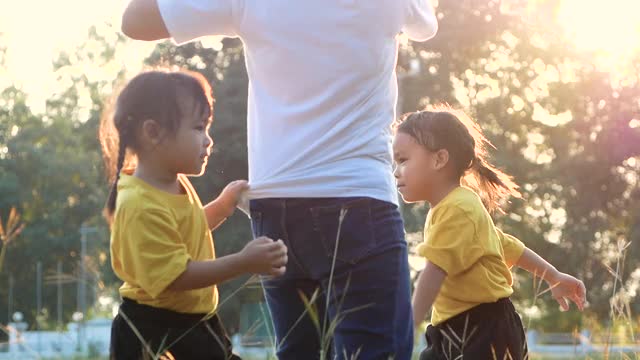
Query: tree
point(50, 169)
point(561, 127)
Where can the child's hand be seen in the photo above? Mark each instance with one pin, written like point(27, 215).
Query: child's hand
point(565, 287)
point(265, 257)
point(231, 194)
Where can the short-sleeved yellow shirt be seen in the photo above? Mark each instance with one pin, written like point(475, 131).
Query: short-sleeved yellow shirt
point(154, 235)
point(460, 238)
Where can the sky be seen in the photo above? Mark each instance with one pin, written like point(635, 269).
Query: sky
point(34, 31)
point(612, 26)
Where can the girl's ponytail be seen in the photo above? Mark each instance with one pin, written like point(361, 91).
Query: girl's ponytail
point(110, 207)
point(116, 127)
point(492, 184)
point(442, 127)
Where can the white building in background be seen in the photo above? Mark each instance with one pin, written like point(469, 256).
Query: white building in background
point(92, 338)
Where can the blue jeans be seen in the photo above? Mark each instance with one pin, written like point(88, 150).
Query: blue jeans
point(369, 308)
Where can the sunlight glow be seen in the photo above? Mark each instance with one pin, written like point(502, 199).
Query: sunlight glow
point(54, 27)
point(611, 26)
point(35, 31)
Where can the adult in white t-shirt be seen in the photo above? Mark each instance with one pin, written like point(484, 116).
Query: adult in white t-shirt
point(322, 95)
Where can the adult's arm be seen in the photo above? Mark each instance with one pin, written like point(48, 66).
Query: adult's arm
point(142, 21)
point(420, 22)
point(181, 20)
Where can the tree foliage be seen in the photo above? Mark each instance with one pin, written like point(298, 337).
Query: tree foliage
point(567, 129)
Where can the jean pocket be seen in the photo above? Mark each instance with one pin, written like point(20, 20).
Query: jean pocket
point(351, 239)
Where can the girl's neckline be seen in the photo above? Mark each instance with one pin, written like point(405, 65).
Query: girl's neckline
point(449, 194)
point(445, 197)
point(184, 193)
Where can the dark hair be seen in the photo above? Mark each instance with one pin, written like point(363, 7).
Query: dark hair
point(442, 127)
point(149, 95)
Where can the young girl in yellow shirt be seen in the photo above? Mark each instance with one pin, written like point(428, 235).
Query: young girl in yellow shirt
point(161, 243)
point(441, 158)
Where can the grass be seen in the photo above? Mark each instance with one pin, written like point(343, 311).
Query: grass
point(625, 356)
point(79, 358)
point(531, 357)
point(415, 357)
point(325, 331)
point(619, 313)
point(8, 232)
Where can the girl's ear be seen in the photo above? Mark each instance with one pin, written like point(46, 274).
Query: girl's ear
point(441, 159)
point(151, 132)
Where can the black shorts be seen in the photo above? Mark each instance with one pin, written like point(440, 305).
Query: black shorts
point(185, 336)
point(485, 332)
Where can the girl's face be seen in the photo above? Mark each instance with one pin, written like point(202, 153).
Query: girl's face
point(187, 151)
point(417, 169)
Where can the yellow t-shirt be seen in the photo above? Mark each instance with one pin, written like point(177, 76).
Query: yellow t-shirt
point(460, 238)
point(153, 236)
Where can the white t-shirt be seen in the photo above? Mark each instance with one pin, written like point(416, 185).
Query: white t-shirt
point(322, 87)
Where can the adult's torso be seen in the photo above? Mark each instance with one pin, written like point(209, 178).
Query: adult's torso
point(322, 96)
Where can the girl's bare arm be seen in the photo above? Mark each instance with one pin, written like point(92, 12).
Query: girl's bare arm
point(427, 288)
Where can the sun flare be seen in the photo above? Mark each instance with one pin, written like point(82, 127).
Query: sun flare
point(610, 27)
